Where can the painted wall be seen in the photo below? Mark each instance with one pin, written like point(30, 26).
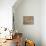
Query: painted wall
point(29, 8)
point(43, 22)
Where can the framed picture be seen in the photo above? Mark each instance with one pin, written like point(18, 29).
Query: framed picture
point(28, 20)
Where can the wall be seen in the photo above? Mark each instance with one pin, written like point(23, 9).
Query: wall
point(29, 8)
point(43, 22)
point(6, 13)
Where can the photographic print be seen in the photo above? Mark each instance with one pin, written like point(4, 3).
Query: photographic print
point(28, 20)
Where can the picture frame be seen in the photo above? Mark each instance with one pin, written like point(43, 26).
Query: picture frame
point(28, 20)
